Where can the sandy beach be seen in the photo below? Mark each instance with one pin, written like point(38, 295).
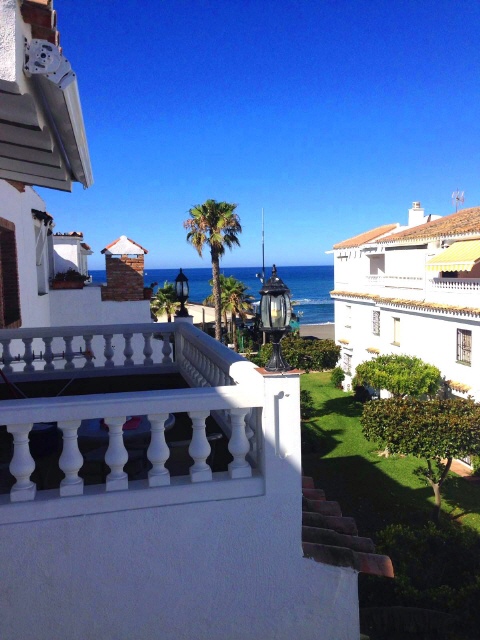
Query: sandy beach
point(322, 331)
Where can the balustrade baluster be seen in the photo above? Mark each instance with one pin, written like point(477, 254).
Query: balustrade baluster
point(7, 357)
point(238, 445)
point(116, 456)
point(158, 451)
point(68, 353)
point(88, 353)
point(128, 351)
point(199, 448)
point(108, 351)
point(166, 348)
point(48, 355)
point(147, 349)
point(22, 465)
point(28, 355)
point(71, 460)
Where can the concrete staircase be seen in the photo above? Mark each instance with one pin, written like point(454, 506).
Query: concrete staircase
point(331, 538)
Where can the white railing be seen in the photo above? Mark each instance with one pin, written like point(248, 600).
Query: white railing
point(225, 385)
point(465, 285)
point(399, 282)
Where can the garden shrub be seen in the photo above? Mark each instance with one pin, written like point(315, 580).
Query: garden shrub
point(476, 465)
point(307, 408)
point(337, 377)
point(309, 355)
point(435, 568)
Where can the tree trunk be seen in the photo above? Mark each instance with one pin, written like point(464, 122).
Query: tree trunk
point(234, 333)
point(438, 501)
point(217, 295)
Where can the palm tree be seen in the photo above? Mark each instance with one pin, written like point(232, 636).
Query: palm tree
point(234, 300)
point(164, 302)
point(214, 225)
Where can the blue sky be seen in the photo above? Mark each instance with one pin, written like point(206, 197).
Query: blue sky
point(332, 115)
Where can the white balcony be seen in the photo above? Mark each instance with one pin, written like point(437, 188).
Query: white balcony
point(215, 382)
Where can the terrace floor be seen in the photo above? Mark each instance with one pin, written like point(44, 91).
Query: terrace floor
point(46, 445)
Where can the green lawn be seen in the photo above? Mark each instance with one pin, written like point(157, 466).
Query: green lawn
point(376, 491)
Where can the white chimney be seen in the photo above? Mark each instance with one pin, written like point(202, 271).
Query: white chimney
point(416, 215)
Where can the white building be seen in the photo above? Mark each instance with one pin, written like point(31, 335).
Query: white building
point(413, 290)
point(204, 554)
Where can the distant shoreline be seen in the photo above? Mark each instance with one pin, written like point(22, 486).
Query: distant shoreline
point(322, 331)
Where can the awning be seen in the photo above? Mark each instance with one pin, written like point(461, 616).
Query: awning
point(460, 256)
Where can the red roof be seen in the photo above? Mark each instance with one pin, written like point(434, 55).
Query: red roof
point(367, 236)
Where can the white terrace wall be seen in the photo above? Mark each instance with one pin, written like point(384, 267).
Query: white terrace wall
point(17, 208)
point(211, 570)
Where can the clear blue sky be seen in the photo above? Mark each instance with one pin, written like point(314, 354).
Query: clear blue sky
point(333, 115)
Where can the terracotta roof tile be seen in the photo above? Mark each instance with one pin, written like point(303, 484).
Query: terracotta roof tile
point(367, 236)
point(463, 223)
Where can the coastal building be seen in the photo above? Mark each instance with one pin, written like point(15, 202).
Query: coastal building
point(215, 551)
point(415, 290)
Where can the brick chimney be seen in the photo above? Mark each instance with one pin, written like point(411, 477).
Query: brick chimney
point(124, 262)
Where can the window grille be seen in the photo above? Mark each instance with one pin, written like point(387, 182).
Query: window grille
point(347, 363)
point(376, 323)
point(396, 331)
point(464, 346)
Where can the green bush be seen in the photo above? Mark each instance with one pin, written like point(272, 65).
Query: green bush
point(309, 355)
point(436, 568)
point(476, 465)
point(337, 377)
point(307, 408)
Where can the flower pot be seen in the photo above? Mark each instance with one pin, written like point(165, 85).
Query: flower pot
point(67, 284)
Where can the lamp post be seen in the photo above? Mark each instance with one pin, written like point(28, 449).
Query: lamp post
point(276, 311)
point(181, 291)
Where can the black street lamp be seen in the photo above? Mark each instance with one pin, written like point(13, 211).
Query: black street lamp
point(181, 291)
point(276, 311)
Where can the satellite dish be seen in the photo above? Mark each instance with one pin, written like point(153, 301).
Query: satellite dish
point(458, 196)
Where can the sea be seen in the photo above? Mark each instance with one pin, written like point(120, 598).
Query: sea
point(309, 286)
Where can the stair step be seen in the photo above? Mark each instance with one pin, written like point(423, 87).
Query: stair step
point(327, 536)
point(325, 507)
point(343, 557)
point(314, 494)
point(343, 524)
point(307, 482)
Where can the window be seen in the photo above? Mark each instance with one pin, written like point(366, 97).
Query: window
point(464, 346)
point(9, 289)
point(396, 331)
point(348, 315)
point(347, 363)
point(376, 323)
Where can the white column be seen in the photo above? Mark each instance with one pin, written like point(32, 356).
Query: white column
point(71, 459)
point(48, 355)
point(158, 451)
point(89, 355)
point(128, 351)
point(108, 352)
point(6, 356)
point(28, 355)
point(22, 465)
point(116, 456)
point(68, 352)
point(166, 348)
point(199, 448)
point(238, 445)
point(147, 349)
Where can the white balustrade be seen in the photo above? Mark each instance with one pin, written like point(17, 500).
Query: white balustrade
point(158, 451)
point(28, 355)
point(71, 460)
point(464, 285)
point(147, 349)
point(108, 352)
point(128, 351)
point(199, 448)
point(116, 456)
point(69, 353)
point(89, 356)
point(22, 465)
point(48, 354)
point(7, 357)
point(239, 446)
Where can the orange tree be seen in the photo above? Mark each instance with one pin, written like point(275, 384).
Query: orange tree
point(435, 430)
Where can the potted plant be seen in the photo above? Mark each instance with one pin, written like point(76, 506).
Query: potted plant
point(148, 291)
point(70, 279)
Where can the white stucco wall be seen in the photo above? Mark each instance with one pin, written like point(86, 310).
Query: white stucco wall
point(17, 207)
point(8, 40)
point(213, 570)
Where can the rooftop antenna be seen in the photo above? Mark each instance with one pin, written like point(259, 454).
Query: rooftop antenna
point(458, 196)
point(261, 276)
